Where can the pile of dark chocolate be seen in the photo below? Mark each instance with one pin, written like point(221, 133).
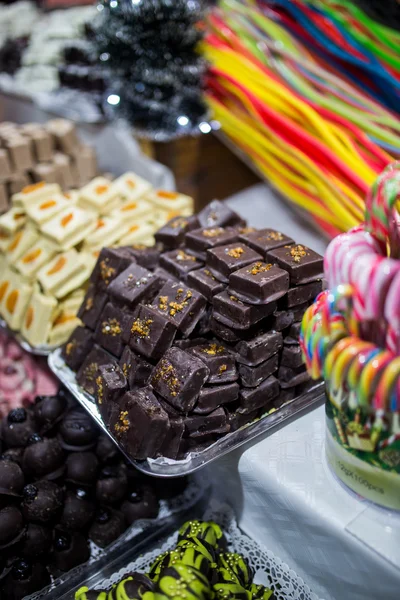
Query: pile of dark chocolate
point(61, 485)
point(190, 339)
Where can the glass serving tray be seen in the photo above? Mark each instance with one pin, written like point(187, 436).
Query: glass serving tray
point(166, 467)
point(43, 350)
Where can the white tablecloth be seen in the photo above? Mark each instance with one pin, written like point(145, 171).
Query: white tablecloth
point(285, 494)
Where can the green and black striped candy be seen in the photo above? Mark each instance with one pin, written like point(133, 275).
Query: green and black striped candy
point(234, 567)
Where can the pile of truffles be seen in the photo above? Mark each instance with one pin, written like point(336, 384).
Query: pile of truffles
point(196, 336)
point(198, 568)
point(61, 485)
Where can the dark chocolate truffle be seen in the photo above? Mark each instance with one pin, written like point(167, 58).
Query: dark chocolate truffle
point(82, 468)
point(70, 550)
point(42, 501)
point(17, 428)
point(77, 431)
point(49, 410)
point(107, 527)
point(37, 540)
point(141, 503)
point(24, 579)
point(106, 450)
point(14, 454)
point(11, 525)
point(43, 458)
point(78, 510)
point(112, 484)
point(11, 478)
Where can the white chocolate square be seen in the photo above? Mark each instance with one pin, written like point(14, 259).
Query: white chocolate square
point(138, 234)
point(97, 194)
point(89, 256)
point(133, 211)
point(38, 255)
point(13, 220)
point(37, 321)
point(59, 271)
point(5, 240)
point(42, 211)
point(131, 187)
point(171, 200)
point(34, 193)
point(108, 230)
point(72, 303)
point(21, 242)
point(62, 329)
point(74, 282)
point(69, 227)
point(15, 300)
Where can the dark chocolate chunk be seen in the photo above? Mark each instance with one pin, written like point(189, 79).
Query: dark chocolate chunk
point(18, 427)
point(145, 256)
point(43, 458)
point(164, 276)
point(151, 333)
point(12, 478)
point(211, 397)
point(113, 323)
point(205, 424)
point(11, 525)
point(77, 348)
point(259, 283)
point(134, 285)
point(252, 376)
point(224, 260)
point(237, 419)
point(294, 331)
point(303, 265)
point(204, 282)
point(36, 541)
point(198, 241)
point(264, 240)
point(181, 305)
point(89, 370)
point(301, 294)
point(254, 398)
point(226, 333)
point(218, 214)
point(179, 263)
point(92, 306)
point(136, 370)
point(49, 410)
point(299, 310)
point(258, 349)
point(231, 311)
point(285, 396)
point(142, 424)
point(289, 377)
point(219, 361)
point(172, 441)
point(24, 579)
point(111, 262)
point(141, 503)
point(179, 377)
point(282, 319)
point(78, 510)
point(172, 234)
point(112, 484)
point(42, 501)
point(292, 356)
point(82, 468)
point(77, 431)
point(111, 384)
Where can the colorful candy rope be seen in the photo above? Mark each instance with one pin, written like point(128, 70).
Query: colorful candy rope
point(317, 138)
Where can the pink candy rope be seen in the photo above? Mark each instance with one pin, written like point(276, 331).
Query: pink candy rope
point(392, 315)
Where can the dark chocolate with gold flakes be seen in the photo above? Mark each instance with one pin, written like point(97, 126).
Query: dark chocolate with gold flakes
point(172, 234)
point(251, 377)
point(89, 370)
point(213, 396)
point(111, 262)
point(113, 323)
point(92, 306)
point(204, 282)
point(178, 378)
point(135, 368)
point(151, 333)
point(134, 285)
point(77, 347)
point(179, 263)
point(260, 396)
point(264, 240)
point(198, 241)
point(220, 361)
point(230, 310)
point(218, 214)
point(181, 305)
point(258, 349)
point(302, 264)
point(224, 260)
point(259, 283)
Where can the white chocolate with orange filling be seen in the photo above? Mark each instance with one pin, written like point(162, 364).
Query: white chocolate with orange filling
point(74, 282)
point(5, 239)
point(15, 301)
point(131, 187)
point(108, 230)
point(38, 318)
point(132, 211)
point(138, 234)
point(35, 192)
point(42, 211)
point(21, 242)
point(69, 227)
point(171, 201)
point(13, 220)
point(39, 254)
point(55, 274)
point(62, 328)
point(72, 302)
point(98, 195)
point(6, 275)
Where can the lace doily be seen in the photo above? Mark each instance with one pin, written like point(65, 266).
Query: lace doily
point(195, 489)
point(269, 570)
